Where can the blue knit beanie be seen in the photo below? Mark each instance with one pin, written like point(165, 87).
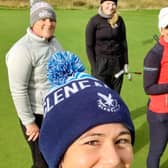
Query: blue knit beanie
point(75, 105)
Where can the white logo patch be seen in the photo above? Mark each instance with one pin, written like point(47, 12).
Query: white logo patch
point(45, 14)
point(107, 103)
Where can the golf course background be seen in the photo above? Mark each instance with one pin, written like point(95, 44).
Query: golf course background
point(70, 31)
point(73, 4)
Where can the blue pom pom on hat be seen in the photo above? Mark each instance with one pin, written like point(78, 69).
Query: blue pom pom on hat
point(62, 67)
point(75, 106)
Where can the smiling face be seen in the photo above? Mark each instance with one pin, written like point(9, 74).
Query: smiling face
point(108, 7)
point(44, 28)
point(104, 146)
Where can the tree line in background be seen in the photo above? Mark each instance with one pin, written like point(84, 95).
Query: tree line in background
point(70, 4)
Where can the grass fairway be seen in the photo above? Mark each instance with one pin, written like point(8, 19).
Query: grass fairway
point(141, 26)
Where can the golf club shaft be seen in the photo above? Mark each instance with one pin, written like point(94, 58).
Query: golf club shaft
point(137, 73)
point(117, 75)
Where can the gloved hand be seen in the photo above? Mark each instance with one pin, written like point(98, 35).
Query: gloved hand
point(125, 68)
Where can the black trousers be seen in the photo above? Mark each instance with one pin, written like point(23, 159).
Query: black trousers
point(111, 81)
point(105, 68)
point(38, 160)
point(158, 134)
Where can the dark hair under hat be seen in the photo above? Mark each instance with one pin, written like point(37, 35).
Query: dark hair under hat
point(101, 1)
point(80, 103)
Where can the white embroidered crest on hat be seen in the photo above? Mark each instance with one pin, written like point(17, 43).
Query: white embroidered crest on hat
point(45, 14)
point(107, 103)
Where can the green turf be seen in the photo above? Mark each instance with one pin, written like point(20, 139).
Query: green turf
point(141, 26)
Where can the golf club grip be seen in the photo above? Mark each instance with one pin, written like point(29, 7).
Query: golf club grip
point(117, 75)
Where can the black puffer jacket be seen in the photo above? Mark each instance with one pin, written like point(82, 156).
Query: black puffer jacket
point(103, 41)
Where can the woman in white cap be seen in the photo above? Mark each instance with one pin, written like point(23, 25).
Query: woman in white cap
point(106, 44)
point(86, 124)
point(26, 63)
point(156, 86)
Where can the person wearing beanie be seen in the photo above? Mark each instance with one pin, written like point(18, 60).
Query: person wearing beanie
point(41, 10)
point(101, 1)
point(26, 63)
point(86, 124)
point(156, 86)
point(106, 45)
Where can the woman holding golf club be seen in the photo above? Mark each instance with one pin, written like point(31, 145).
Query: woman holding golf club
point(26, 63)
point(106, 44)
point(156, 86)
